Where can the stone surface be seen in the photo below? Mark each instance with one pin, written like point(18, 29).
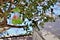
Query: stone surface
point(53, 27)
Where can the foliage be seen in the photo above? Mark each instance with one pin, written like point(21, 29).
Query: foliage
point(16, 21)
point(27, 8)
point(16, 9)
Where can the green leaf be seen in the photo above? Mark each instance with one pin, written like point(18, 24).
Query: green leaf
point(17, 21)
point(16, 9)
